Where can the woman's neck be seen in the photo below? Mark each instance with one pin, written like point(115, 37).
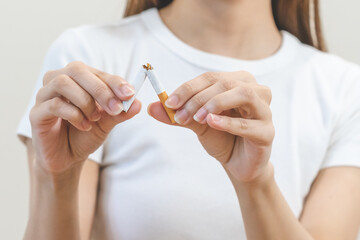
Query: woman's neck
point(243, 29)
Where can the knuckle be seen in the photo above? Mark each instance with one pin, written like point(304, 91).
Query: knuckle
point(198, 101)
point(48, 77)
point(215, 103)
point(247, 92)
point(272, 132)
point(114, 81)
point(266, 113)
point(38, 95)
point(55, 104)
point(61, 81)
point(245, 73)
point(188, 87)
point(86, 103)
point(76, 116)
point(267, 94)
point(117, 79)
point(99, 91)
point(101, 74)
point(75, 67)
point(269, 134)
point(242, 124)
point(210, 77)
point(227, 84)
point(247, 76)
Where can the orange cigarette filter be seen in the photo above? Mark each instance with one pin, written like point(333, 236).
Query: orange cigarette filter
point(170, 112)
point(160, 90)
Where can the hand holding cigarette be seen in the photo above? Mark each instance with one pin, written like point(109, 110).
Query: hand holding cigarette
point(75, 110)
point(231, 116)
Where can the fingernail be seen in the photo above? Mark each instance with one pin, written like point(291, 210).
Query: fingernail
point(172, 101)
point(215, 118)
point(95, 116)
point(201, 115)
point(115, 106)
point(86, 124)
point(127, 90)
point(181, 116)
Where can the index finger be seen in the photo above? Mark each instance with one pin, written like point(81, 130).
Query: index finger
point(122, 89)
point(187, 90)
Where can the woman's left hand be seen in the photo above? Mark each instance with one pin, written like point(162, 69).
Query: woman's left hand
point(230, 113)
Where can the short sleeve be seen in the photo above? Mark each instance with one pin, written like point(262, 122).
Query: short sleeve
point(67, 48)
point(344, 146)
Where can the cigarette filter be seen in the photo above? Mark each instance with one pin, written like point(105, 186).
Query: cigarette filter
point(137, 83)
point(160, 90)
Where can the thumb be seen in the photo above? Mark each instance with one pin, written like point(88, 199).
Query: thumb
point(157, 111)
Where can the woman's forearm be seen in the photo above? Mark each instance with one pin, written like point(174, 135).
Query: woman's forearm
point(53, 205)
point(265, 212)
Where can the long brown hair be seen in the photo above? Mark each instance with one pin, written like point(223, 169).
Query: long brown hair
point(299, 17)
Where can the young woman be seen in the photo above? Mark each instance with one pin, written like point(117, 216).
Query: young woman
point(219, 173)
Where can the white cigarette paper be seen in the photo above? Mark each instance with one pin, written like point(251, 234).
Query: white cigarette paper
point(156, 84)
point(160, 91)
point(137, 83)
point(147, 70)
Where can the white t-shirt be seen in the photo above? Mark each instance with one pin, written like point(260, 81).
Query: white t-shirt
point(157, 182)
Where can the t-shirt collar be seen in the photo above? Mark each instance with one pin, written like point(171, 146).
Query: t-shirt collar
point(213, 62)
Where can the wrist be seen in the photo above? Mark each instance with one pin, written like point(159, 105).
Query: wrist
point(261, 181)
point(56, 182)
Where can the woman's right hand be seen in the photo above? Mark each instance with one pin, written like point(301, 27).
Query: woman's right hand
point(75, 110)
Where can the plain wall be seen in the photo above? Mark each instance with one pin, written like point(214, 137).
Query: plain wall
point(27, 30)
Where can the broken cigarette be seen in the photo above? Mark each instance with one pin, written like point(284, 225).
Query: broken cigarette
point(148, 70)
point(160, 90)
point(137, 83)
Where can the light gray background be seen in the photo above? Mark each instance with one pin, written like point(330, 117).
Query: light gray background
point(28, 28)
